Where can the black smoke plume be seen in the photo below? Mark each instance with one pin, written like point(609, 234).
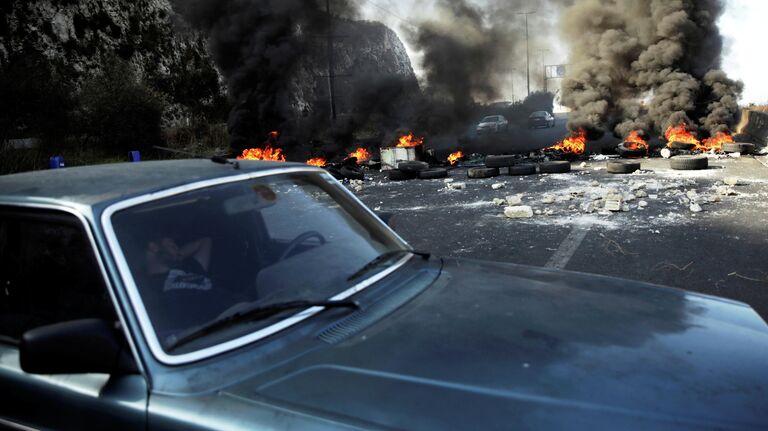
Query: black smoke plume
point(257, 45)
point(646, 65)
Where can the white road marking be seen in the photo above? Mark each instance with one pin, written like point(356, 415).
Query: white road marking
point(568, 247)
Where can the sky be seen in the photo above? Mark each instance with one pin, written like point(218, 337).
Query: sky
point(743, 26)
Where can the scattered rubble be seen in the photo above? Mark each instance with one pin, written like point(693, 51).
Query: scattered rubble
point(695, 208)
point(514, 200)
point(497, 186)
point(499, 202)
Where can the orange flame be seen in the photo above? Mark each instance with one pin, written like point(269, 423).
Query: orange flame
point(576, 143)
point(636, 142)
point(716, 142)
point(455, 157)
point(361, 154)
point(680, 133)
point(266, 153)
point(409, 140)
point(317, 161)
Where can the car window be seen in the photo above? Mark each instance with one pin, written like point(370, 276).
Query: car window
point(48, 273)
point(280, 238)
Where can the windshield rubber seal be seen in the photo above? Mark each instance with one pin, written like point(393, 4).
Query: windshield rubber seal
point(137, 302)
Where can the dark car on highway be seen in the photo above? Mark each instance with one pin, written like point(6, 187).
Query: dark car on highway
point(197, 295)
point(540, 119)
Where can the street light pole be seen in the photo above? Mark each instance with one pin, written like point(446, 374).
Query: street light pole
point(527, 51)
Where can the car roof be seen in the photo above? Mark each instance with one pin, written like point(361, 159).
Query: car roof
point(92, 185)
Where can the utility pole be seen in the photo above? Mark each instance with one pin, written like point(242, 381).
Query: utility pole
point(331, 88)
point(527, 51)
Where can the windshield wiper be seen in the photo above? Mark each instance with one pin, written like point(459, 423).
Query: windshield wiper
point(383, 258)
point(255, 312)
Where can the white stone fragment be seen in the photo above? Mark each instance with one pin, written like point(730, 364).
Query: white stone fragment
point(448, 180)
point(653, 196)
point(548, 199)
point(714, 199)
point(696, 208)
point(572, 207)
point(594, 184)
point(549, 212)
point(457, 186)
point(358, 188)
point(583, 165)
point(522, 211)
point(497, 186)
point(735, 155)
point(629, 197)
point(625, 207)
point(613, 204)
point(666, 153)
point(514, 200)
point(588, 207)
point(538, 212)
point(564, 198)
point(725, 191)
point(641, 194)
point(499, 202)
point(731, 181)
point(642, 204)
point(605, 213)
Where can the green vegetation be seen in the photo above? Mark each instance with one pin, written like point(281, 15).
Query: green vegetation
point(106, 115)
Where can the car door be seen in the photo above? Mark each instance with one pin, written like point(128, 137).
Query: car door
point(49, 274)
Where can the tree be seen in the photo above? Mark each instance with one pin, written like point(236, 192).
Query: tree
point(119, 111)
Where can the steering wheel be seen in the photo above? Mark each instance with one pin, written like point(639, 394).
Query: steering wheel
point(300, 240)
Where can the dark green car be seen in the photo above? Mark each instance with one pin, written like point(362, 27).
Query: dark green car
point(194, 295)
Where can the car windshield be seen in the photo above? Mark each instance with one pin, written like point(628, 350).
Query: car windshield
point(492, 119)
point(539, 114)
point(262, 241)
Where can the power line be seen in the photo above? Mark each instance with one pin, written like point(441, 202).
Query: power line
point(389, 12)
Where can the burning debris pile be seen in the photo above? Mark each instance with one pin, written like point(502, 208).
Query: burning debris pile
point(625, 78)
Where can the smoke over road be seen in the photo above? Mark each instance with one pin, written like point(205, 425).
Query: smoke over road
point(664, 51)
point(257, 44)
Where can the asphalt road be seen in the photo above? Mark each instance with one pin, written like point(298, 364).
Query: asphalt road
point(720, 251)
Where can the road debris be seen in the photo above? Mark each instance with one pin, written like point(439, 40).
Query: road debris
point(522, 211)
point(498, 186)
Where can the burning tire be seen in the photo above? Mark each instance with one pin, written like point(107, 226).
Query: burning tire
point(499, 161)
point(398, 175)
point(483, 172)
point(352, 173)
point(433, 174)
point(523, 169)
point(622, 166)
point(625, 151)
point(688, 163)
point(413, 167)
point(681, 145)
point(559, 167)
point(739, 147)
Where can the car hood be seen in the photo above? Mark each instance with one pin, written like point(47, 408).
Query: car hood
point(498, 346)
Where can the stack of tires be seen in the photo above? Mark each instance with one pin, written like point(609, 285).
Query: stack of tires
point(493, 164)
point(413, 170)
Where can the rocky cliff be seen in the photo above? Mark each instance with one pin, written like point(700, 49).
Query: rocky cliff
point(176, 60)
point(82, 36)
point(366, 56)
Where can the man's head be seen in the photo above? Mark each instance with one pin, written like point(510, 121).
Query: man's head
point(163, 251)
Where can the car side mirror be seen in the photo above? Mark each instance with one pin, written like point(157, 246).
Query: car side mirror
point(386, 217)
point(75, 347)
